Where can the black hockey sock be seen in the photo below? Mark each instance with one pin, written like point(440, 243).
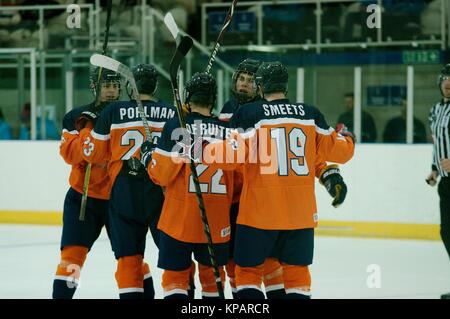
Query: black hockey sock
point(63, 289)
point(131, 295)
point(149, 289)
point(191, 292)
point(177, 296)
point(297, 296)
point(210, 298)
point(276, 294)
point(250, 293)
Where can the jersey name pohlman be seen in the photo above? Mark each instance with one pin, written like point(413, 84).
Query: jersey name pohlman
point(155, 112)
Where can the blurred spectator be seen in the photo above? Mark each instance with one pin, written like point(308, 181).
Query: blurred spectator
point(51, 132)
point(401, 19)
point(430, 19)
point(5, 129)
point(351, 21)
point(54, 23)
point(368, 129)
point(395, 131)
point(9, 20)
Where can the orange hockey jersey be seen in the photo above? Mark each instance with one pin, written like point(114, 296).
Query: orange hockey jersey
point(119, 132)
point(180, 217)
point(71, 151)
point(278, 153)
point(230, 108)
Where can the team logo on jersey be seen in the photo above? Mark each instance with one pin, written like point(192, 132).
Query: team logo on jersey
point(225, 232)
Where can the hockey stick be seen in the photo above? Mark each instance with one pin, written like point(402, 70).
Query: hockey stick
point(114, 65)
point(219, 37)
point(87, 175)
point(181, 51)
point(170, 23)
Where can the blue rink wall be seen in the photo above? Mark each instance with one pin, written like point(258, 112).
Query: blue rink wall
point(387, 194)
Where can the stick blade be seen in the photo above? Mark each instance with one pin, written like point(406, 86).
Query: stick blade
point(185, 45)
point(182, 49)
point(170, 23)
point(105, 62)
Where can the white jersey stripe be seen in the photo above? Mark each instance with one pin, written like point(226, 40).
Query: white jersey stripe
point(137, 124)
point(165, 153)
point(100, 137)
point(71, 279)
point(175, 291)
point(225, 116)
point(129, 290)
point(274, 287)
point(239, 288)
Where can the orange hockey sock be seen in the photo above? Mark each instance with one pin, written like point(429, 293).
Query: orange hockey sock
point(248, 282)
point(176, 283)
point(130, 277)
point(208, 281)
point(149, 289)
point(297, 281)
point(68, 271)
point(273, 279)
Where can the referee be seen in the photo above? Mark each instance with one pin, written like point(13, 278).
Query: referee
point(440, 129)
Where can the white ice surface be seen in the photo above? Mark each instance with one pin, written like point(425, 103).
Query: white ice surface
point(407, 268)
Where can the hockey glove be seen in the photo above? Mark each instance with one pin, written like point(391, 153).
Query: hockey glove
point(334, 183)
point(432, 178)
point(89, 115)
point(343, 130)
point(146, 153)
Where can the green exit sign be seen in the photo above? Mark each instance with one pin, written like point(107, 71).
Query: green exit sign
point(422, 56)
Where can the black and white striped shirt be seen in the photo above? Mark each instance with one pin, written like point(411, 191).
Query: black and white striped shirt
point(440, 129)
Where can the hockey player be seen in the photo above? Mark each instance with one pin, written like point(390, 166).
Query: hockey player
point(135, 201)
point(181, 227)
point(277, 213)
point(243, 88)
point(79, 236)
point(440, 167)
point(244, 91)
